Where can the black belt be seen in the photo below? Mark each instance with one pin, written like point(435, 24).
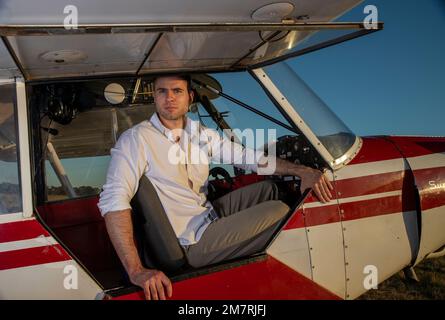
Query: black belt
point(212, 216)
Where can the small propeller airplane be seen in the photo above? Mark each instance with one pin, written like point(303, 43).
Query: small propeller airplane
point(67, 93)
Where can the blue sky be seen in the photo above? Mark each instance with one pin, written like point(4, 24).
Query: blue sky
point(389, 82)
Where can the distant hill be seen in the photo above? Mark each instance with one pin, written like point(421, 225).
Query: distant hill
point(6, 187)
point(10, 200)
point(80, 191)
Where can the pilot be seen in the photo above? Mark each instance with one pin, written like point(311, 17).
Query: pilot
point(209, 232)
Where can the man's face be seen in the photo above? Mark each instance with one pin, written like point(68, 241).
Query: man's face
point(172, 98)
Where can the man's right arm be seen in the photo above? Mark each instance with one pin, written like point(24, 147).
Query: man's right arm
point(127, 164)
point(155, 283)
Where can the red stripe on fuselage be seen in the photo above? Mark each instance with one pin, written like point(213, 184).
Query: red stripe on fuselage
point(376, 149)
point(376, 207)
point(32, 256)
point(358, 210)
point(384, 148)
point(321, 215)
point(432, 197)
point(368, 185)
point(419, 146)
point(297, 221)
point(21, 230)
point(362, 186)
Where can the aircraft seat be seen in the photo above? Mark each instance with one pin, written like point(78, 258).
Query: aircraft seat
point(157, 243)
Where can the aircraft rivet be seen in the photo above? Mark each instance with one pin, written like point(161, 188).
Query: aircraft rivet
point(339, 193)
point(346, 263)
point(347, 279)
point(313, 267)
point(342, 211)
point(347, 296)
point(310, 248)
point(346, 247)
point(344, 229)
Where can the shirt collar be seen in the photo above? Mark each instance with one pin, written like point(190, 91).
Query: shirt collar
point(156, 122)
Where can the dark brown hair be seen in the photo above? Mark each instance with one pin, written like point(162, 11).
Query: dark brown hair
point(183, 76)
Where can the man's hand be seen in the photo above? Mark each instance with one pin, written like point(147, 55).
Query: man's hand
point(319, 183)
point(310, 178)
point(155, 283)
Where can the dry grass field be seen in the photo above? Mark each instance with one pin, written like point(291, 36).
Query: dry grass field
point(431, 285)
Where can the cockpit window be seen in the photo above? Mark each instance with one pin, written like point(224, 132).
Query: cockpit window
point(77, 153)
point(10, 192)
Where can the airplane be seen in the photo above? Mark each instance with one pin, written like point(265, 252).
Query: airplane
point(67, 93)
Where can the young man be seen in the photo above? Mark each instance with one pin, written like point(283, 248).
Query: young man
point(237, 224)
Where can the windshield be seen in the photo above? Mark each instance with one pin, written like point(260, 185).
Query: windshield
point(335, 136)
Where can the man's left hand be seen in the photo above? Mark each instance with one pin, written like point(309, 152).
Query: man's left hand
point(317, 180)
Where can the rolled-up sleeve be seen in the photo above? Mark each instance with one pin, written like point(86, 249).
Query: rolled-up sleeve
point(127, 165)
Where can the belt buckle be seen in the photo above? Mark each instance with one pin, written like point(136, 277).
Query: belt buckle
point(212, 216)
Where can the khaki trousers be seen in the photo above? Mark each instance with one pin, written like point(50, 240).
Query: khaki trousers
point(249, 217)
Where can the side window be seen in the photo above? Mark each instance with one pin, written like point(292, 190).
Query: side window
point(77, 154)
point(10, 190)
point(86, 177)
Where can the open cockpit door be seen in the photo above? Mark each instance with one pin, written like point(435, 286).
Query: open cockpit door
point(48, 52)
point(103, 44)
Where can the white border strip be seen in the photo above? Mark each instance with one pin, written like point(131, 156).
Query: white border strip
point(429, 161)
point(362, 170)
point(11, 217)
point(25, 164)
point(41, 241)
point(371, 196)
point(354, 199)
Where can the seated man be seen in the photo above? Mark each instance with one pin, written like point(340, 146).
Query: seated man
point(160, 149)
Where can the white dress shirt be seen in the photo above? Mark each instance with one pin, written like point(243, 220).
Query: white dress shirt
point(150, 149)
